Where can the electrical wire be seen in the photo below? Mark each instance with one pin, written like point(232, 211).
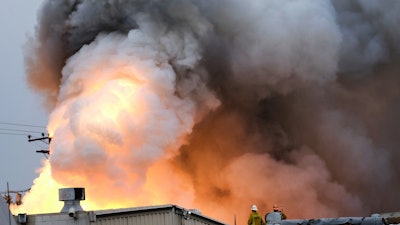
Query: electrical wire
point(28, 131)
point(23, 125)
point(9, 127)
point(5, 133)
point(18, 191)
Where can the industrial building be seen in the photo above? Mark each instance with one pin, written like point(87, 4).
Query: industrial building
point(73, 214)
point(160, 215)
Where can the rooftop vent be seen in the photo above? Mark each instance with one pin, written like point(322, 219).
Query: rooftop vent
point(71, 198)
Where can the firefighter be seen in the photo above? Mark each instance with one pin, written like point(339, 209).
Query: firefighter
point(275, 217)
point(275, 208)
point(255, 218)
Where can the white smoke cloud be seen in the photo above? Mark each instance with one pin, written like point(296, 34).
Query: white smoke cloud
point(259, 102)
point(119, 107)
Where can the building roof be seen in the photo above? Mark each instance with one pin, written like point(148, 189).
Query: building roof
point(161, 215)
point(150, 209)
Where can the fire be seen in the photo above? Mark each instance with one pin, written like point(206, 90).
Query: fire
point(43, 196)
point(209, 106)
point(115, 129)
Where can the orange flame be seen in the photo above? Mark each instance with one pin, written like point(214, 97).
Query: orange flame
point(114, 130)
point(119, 125)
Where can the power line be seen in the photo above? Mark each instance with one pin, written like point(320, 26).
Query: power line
point(17, 191)
point(23, 125)
point(3, 130)
point(5, 133)
point(45, 138)
point(28, 131)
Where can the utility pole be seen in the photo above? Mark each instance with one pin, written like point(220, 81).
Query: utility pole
point(9, 202)
point(45, 139)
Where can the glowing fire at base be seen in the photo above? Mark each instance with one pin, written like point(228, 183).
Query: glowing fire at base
point(43, 196)
point(115, 128)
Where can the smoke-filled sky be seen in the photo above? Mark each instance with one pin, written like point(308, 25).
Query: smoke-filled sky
point(218, 105)
point(19, 104)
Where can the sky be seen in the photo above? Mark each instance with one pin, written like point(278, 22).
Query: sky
point(19, 104)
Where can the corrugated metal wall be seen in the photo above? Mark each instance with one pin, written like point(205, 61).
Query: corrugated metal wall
point(161, 215)
point(157, 218)
point(169, 217)
point(194, 220)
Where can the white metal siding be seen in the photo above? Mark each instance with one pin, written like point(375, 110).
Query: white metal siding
point(194, 220)
point(57, 219)
point(164, 215)
point(162, 218)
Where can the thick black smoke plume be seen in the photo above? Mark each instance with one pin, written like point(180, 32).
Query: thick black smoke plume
point(307, 91)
